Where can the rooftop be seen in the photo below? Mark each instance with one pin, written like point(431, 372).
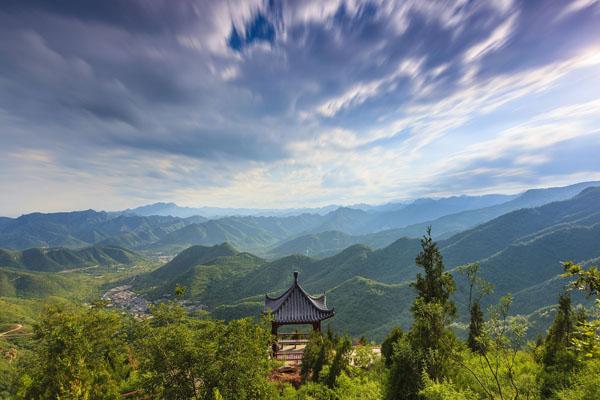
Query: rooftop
point(296, 306)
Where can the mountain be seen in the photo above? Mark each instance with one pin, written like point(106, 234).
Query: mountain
point(517, 226)
point(164, 209)
point(191, 257)
point(248, 233)
point(173, 210)
point(83, 228)
point(519, 252)
point(428, 209)
point(329, 242)
point(325, 244)
point(448, 225)
point(62, 259)
point(261, 234)
point(198, 268)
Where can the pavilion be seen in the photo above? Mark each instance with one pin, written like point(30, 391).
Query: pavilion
point(296, 307)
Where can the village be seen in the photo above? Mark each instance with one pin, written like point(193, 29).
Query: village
point(124, 298)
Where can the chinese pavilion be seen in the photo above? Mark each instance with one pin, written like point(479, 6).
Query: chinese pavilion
point(294, 307)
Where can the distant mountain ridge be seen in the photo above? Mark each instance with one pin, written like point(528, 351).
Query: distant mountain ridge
point(268, 236)
point(443, 227)
point(174, 210)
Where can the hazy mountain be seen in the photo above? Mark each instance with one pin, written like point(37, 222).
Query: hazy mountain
point(448, 225)
point(172, 209)
point(258, 234)
point(83, 228)
point(428, 209)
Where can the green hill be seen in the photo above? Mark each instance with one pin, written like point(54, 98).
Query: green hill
point(40, 285)
point(61, 259)
point(328, 243)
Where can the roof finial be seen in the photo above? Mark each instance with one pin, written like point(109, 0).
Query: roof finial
point(295, 276)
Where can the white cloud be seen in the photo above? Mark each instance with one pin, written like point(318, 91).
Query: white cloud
point(498, 38)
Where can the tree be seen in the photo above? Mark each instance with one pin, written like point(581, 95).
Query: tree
point(173, 352)
point(387, 347)
point(477, 289)
point(315, 356)
point(503, 370)
point(185, 358)
point(436, 285)
point(78, 353)
point(340, 362)
point(586, 340)
point(319, 363)
point(476, 328)
point(241, 361)
point(429, 340)
point(558, 360)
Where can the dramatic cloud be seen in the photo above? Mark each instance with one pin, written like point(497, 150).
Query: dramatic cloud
point(288, 103)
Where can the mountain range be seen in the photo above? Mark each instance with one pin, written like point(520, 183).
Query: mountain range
point(519, 252)
point(269, 236)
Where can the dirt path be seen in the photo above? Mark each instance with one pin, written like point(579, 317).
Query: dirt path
point(17, 328)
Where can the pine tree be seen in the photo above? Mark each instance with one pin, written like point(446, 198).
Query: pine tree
point(340, 361)
point(319, 363)
point(475, 328)
point(387, 347)
point(436, 285)
point(558, 360)
point(428, 344)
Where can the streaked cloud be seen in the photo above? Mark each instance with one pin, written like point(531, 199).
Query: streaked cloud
point(287, 103)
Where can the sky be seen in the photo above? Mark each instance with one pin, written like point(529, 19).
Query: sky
point(272, 104)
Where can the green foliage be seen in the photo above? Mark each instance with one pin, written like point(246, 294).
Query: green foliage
point(405, 381)
point(587, 339)
point(387, 347)
point(79, 353)
point(502, 370)
point(316, 354)
point(62, 259)
point(475, 328)
point(586, 385)
point(363, 357)
point(183, 358)
point(446, 390)
point(358, 388)
point(429, 341)
point(436, 285)
point(340, 362)
point(558, 359)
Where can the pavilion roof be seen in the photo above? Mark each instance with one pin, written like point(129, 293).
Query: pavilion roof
point(296, 306)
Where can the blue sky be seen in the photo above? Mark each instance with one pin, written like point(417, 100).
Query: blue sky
point(112, 104)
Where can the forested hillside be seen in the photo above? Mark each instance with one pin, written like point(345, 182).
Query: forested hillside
point(519, 252)
point(63, 259)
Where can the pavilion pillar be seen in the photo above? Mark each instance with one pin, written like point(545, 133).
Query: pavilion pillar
point(275, 347)
point(317, 326)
